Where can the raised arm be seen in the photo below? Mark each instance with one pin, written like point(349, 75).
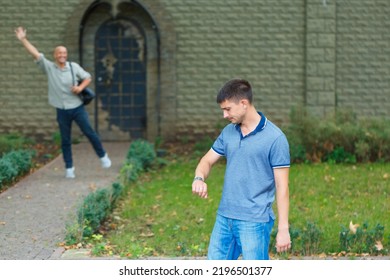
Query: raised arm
point(21, 34)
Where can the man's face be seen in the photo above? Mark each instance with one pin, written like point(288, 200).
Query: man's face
point(60, 55)
point(234, 111)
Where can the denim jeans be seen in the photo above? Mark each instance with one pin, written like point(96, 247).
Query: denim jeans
point(65, 119)
point(231, 238)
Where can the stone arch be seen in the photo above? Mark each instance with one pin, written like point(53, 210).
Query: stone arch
point(160, 56)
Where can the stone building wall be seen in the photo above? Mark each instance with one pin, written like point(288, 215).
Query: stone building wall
point(327, 55)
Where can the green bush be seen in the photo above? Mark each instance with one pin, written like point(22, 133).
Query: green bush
point(98, 205)
point(7, 172)
point(117, 190)
point(342, 138)
point(130, 170)
point(304, 241)
point(143, 151)
point(12, 141)
point(14, 164)
point(95, 209)
point(364, 240)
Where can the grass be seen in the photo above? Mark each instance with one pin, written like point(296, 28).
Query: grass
point(159, 216)
point(332, 195)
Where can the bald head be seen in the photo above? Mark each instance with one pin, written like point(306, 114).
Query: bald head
point(60, 55)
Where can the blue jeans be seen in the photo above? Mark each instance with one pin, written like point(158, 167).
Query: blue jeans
point(231, 238)
point(65, 119)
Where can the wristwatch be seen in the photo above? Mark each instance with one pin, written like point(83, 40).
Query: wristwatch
point(198, 178)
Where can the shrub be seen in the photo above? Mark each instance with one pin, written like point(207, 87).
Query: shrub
point(12, 141)
point(304, 241)
point(130, 170)
point(95, 209)
point(143, 151)
point(7, 171)
point(339, 155)
point(342, 138)
point(363, 240)
point(311, 239)
point(14, 164)
point(98, 205)
point(117, 190)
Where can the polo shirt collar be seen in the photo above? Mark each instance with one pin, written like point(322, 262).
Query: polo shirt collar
point(262, 124)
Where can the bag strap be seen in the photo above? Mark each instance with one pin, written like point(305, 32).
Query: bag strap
point(71, 70)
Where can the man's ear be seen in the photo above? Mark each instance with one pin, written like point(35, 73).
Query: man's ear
point(244, 102)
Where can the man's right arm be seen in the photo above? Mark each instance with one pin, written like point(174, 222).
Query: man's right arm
point(21, 34)
point(202, 171)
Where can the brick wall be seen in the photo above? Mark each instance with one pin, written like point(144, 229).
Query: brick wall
point(327, 55)
point(363, 57)
point(262, 41)
point(23, 88)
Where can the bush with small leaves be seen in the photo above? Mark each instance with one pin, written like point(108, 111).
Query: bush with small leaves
point(143, 151)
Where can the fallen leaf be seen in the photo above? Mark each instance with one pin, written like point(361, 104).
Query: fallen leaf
point(353, 227)
point(92, 186)
point(150, 234)
point(386, 176)
point(184, 228)
point(149, 222)
point(341, 254)
point(322, 256)
point(379, 246)
point(329, 178)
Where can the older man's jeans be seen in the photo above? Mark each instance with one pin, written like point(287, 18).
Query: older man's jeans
point(65, 119)
point(231, 238)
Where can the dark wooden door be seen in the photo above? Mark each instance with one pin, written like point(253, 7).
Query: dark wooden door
point(120, 81)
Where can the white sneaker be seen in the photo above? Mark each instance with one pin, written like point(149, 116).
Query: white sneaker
point(70, 173)
point(106, 162)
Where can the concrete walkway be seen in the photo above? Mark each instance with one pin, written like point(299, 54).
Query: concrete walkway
point(35, 212)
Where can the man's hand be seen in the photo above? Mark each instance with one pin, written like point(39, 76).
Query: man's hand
point(199, 188)
point(283, 241)
point(76, 89)
point(21, 33)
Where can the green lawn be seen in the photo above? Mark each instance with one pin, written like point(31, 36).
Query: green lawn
point(159, 216)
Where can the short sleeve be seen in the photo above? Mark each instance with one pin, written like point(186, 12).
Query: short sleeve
point(280, 153)
point(80, 73)
point(218, 145)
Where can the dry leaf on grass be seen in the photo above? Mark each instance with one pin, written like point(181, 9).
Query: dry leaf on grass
point(379, 245)
point(353, 227)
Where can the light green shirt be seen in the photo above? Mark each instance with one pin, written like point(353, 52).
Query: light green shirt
point(60, 83)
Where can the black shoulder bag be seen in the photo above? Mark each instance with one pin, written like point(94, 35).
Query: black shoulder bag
point(87, 95)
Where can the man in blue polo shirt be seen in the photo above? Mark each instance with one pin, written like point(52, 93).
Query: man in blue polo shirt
point(257, 168)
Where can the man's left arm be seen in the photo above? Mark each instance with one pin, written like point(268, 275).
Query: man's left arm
point(84, 76)
point(283, 241)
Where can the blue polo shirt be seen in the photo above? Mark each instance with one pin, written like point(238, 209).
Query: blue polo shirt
point(249, 185)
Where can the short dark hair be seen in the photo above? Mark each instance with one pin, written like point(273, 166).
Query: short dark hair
point(235, 90)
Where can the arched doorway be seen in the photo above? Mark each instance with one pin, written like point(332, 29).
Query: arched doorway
point(120, 46)
point(120, 78)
